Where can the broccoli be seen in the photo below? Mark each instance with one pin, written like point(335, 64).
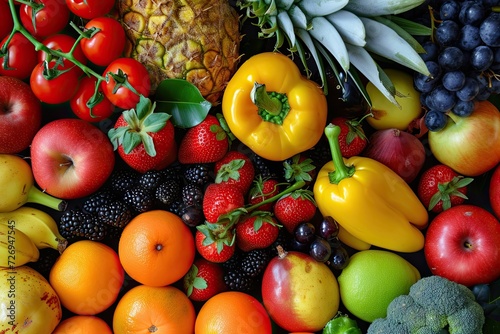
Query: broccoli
point(434, 305)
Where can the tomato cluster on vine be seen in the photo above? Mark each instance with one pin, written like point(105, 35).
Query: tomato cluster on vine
point(71, 51)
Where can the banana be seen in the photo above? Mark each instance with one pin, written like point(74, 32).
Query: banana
point(16, 248)
point(314, 8)
point(381, 7)
point(326, 34)
point(29, 303)
point(17, 185)
point(382, 40)
point(38, 225)
point(349, 26)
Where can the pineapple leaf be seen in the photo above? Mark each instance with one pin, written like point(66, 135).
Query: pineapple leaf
point(309, 43)
point(286, 26)
point(413, 28)
point(183, 101)
point(401, 32)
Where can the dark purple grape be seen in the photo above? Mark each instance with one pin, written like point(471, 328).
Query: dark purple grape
point(447, 33)
point(471, 12)
point(449, 10)
point(435, 120)
point(489, 28)
point(305, 232)
point(481, 58)
point(495, 86)
point(469, 91)
point(463, 108)
point(453, 80)
point(441, 99)
point(320, 249)
point(431, 51)
point(339, 258)
point(451, 58)
point(469, 38)
point(299, 246)
point(425, 84)
point(484, 94)
point(328, 228)
point(335, 242)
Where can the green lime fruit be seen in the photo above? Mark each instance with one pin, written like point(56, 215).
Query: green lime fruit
point(372, 279)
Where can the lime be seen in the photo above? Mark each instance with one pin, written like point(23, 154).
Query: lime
point(372, 279)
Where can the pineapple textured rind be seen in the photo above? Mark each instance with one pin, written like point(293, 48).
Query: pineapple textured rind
point(196, 40)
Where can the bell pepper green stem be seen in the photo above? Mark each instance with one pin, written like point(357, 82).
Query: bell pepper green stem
point(341, 171)
point(262, 100)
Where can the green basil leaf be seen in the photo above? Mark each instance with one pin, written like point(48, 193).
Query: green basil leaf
point(183, 101)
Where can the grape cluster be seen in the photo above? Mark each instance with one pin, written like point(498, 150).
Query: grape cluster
point(321, 242)
point(462, 56)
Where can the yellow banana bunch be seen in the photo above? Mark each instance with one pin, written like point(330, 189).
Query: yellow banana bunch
point(17, 184)
point(16, 248)
point(38, 225)
point(29, 303)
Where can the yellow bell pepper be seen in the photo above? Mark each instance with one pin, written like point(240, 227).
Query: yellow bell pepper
point(372, 204)
point(274, 110)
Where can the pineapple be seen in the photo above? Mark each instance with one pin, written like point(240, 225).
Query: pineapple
point(195, 40)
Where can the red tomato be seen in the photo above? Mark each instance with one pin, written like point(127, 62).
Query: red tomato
point(78, 102)
point(56, 90)
point(89, 9)
point(50, 18)
point(134, 74)
point(107, 44)
point(22, 57)
point(6, 23)
point(64, 43)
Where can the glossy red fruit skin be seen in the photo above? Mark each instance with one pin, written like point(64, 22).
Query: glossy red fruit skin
point(259, 193)
point(291, 212)
point(219, 199)
point(352, 137)
point(213, 274)
point(247, 238)
point(210, 252)
point(461, 245)
point(244, 175)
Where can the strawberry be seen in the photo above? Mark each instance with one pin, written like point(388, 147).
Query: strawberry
point(220, 199)
point(299, 168)
point(204, 280)
point(261, 190)
point(144, 138)
point(235, 168)
point(440, 188)
point(206, 142)
point(257, 230)
point(214, 243)
point(295, 207)
point(352, 138)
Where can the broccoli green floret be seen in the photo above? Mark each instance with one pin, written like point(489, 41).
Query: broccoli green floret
point(434, 305)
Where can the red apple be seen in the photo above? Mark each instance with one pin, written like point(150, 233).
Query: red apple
point(299, 293)
point(470, 145)
point(20, 115)
point(462, 245)
point(494, 191)
point(71, 158)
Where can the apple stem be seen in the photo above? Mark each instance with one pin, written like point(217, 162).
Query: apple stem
point(37, 196)
point(67, 163)
point(453, 117)
point(281, 252)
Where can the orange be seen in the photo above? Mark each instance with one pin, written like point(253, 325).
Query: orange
point(87, 277)
point(149, 309)
point(233, 312)
point(82, 324)
point(156, 248)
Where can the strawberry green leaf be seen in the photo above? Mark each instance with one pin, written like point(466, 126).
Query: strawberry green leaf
point(183, 101)
point(200, 283)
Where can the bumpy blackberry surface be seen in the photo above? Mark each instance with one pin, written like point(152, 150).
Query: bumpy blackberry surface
point(264, 167)
point(284, 240)
point(113, 233)
point(192, 194)
point(238, 281)
point(320, 154)
point(234, 261)
point(199, 174)
point(176, 206)
point(48, 257)
point(139, 199)
point(115, 213)
point(76, 223)
point(168, 191)
point(98, 199)
point(123, 179)
point(151, 179)
point(173, 172)
point(255, 261)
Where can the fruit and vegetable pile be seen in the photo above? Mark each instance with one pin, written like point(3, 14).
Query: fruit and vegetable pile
point(250, 166)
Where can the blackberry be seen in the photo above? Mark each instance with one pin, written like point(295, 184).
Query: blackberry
point(198, 174)
point(320, 154)
point(115, 213)
point(98, 199)
point(76, 223)
point(264, 167)
point(114, 233)
point(238, 281)
point(176, 206)
point(173, 172)
point(123, 179)
point(151, 179)
point(168, 191)
point(234, 261)
point(48, 257)
point(139, 199)
point(284, 240)
point(255, 261)
point(192, 194)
